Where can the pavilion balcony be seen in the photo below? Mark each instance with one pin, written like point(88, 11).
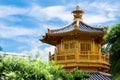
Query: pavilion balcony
point(90, 57)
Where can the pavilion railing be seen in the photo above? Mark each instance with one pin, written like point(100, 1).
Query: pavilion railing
point(87, 57)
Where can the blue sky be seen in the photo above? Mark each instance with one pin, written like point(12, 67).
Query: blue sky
point(22, 22)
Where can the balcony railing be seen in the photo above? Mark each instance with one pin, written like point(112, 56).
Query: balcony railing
point(87, 57)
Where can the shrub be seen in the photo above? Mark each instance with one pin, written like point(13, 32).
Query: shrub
point(17, 68)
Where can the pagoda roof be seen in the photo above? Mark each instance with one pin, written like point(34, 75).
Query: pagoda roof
point(76, 29)
point(99, 76)
point(81, 26)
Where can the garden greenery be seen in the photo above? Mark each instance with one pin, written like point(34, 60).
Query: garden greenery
point(19, 68)
point(113, 40)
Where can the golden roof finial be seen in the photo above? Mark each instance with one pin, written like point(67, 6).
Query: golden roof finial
point(77, 14)
point(77, 7)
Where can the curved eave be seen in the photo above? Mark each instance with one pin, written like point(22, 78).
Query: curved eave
point(49, 39)
point(51, 43)
point(54, 39)
point(45, 40)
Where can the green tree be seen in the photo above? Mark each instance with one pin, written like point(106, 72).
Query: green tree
point(104, 50)
point(18, 68)
point(113, 40)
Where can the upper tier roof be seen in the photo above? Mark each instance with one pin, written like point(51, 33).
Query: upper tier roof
point(76, 29)
point(81, 26)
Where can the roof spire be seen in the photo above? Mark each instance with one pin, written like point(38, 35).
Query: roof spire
point(77, 14)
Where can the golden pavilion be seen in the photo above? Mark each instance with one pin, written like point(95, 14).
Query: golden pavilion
point(78, 45)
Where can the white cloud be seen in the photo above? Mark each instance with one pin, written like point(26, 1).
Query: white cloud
point(6, 11)
point(13, 31)
point(52, 12)
point(100, 12)
point(103, 10)
point(43, 52)
point(59, 12)
point(92, 19)
point(37, 47)
point(33, 43)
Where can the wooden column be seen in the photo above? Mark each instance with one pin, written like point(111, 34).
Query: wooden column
point(77, 51)
point(100, 55)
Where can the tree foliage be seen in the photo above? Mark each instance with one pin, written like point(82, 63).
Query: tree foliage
point(17, 68)
point(113, 40)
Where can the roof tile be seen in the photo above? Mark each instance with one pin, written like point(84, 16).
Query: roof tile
point(99, 76)
point(82, 27)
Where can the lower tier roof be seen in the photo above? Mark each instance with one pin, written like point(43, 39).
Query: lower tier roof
point(99, 76)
